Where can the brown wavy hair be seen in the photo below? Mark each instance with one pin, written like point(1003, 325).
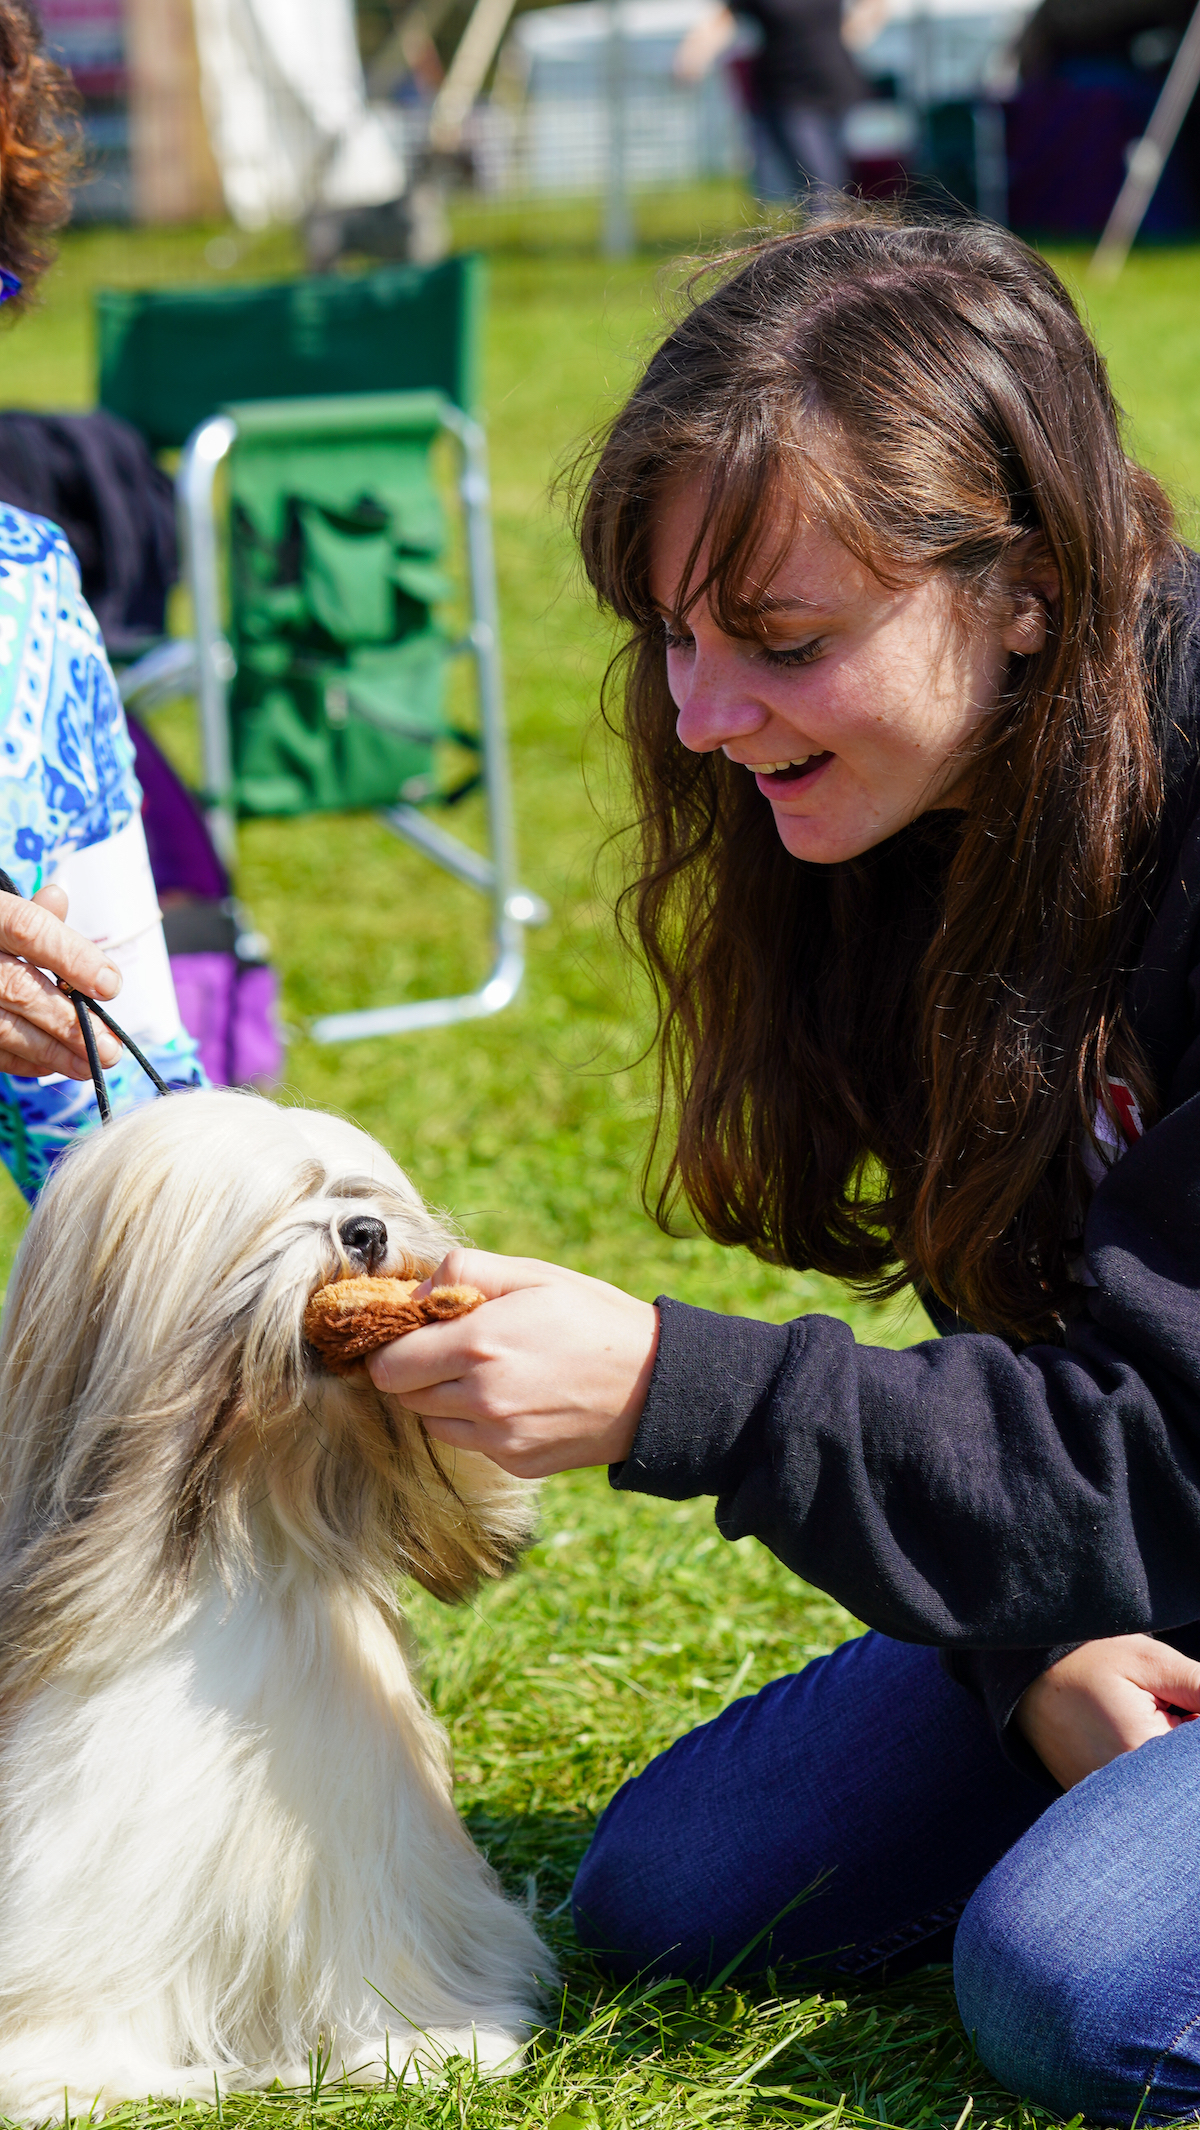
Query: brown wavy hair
point(39, 147)
point(887, 1069)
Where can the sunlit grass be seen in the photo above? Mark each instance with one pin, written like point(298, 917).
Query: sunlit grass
point(630, 1620)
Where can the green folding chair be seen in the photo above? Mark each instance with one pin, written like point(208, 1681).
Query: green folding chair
point(319, 665)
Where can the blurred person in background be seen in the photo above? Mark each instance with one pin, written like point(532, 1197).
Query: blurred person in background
point(801, 83)
point(70, 806)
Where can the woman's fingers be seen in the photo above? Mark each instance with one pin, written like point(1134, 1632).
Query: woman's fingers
point(550, 1373)
point(1173, 1679)
point(39, 1031)
point(494, 1275)
point(35, 931)
point(53, 898)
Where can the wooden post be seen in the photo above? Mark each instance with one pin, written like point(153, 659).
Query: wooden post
point(175, 177)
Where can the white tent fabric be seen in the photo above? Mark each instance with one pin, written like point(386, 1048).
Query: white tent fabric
point(287, 112)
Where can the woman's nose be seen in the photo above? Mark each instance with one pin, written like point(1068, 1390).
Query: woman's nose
point(364, 1237)
point(713, 704)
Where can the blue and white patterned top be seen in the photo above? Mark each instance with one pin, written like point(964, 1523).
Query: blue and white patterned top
point(66, 782)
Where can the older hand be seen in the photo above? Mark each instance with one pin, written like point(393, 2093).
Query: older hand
point(1106, 1698)
point(550, 1373)
point(38, 1029)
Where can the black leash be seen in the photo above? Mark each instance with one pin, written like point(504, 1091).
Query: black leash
point(84, 1009)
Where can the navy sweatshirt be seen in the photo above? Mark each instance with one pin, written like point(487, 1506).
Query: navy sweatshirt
point(1004, 1503)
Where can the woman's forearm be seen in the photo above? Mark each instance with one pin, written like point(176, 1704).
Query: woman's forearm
point(958, 1492)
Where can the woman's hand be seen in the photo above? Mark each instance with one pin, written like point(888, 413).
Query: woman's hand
point(1106, 1698)
point(551, 1373)
point(38, 1029)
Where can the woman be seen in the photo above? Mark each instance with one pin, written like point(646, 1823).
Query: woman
point(70, 807)
point(911, 696)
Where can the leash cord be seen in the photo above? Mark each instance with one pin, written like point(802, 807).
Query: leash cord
point(88, 1033)
point(84, 1009)
point(113, 1029)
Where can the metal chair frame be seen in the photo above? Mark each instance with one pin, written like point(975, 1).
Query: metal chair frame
point(207, 666)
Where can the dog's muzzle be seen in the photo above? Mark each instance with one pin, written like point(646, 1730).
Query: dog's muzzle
point(366, 1238)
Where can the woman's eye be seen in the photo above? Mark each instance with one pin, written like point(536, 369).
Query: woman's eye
point(801, 654)
point(676, 643)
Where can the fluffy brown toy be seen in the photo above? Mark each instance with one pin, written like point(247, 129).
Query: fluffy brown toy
point(351, 1317)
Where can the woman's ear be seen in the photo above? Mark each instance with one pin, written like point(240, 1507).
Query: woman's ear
point(1032, 591)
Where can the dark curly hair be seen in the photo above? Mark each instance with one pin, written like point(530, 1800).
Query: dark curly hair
point(39, 146)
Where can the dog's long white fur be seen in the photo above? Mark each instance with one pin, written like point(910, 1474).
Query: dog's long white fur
point(227, 1839)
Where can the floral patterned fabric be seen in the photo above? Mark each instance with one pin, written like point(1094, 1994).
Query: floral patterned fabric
point(66, 782)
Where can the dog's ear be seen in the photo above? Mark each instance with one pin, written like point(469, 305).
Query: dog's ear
point(464, 1523)
point(200, 1493)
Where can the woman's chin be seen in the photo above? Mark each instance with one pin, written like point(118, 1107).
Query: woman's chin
point(820, 840)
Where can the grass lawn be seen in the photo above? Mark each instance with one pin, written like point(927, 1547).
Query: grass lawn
point(630, 1620)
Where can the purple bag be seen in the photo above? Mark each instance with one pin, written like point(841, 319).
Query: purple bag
point(228, 996)
point(229, 1006)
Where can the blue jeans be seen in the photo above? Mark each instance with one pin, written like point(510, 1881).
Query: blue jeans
point(872, 1786)
point(798, 155)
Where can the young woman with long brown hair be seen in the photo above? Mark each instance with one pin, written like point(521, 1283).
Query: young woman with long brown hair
point(911, 696)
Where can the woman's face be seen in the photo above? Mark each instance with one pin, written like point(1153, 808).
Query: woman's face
point(855, 706)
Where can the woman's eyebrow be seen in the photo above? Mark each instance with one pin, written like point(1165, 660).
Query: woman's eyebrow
point(771, 603)
point(769, 607)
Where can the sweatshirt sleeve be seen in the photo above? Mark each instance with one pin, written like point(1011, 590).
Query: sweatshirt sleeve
point(998, 1678)
point(960, 1492)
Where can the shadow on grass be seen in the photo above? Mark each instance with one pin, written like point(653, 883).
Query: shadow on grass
point(546, 1847)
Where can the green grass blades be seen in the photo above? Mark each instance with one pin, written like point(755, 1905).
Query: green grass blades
point(630, 1620)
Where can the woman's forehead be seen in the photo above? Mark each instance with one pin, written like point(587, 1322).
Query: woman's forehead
point(789, 558)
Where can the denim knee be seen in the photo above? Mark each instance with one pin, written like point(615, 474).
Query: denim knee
point(1008, 1982)
point(1074, 1963)
point(769, 1834)
point(616, 1903)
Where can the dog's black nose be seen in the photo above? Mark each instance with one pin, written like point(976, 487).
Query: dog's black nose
point(366, 1237)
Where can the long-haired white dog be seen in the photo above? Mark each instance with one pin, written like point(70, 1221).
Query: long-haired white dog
point(227, 1841)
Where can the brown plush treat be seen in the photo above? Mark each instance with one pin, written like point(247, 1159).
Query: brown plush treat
point(351, 1317)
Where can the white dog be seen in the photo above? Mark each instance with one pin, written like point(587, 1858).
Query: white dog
point(227, 1841)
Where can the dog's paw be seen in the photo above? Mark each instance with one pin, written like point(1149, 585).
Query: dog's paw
point(352, 1317)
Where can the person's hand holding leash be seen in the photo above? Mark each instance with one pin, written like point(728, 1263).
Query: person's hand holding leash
point(551, 1373)
point(38, 1029)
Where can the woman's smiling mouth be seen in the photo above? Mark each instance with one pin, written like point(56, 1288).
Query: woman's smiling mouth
point(773, 774)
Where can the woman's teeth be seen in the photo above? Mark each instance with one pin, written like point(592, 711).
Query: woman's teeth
point(769, 769)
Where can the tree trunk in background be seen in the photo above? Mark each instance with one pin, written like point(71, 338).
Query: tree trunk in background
point(175, 177)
